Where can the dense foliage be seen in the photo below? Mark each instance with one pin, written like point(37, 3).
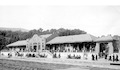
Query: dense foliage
point(7, 37)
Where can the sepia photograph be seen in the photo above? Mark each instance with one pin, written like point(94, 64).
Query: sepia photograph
point(59, 35)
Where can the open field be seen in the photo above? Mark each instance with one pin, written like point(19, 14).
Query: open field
point(6, 64)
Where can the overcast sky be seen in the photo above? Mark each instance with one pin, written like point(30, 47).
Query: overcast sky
point(95, 20)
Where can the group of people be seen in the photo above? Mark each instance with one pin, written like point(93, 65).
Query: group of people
point(56, 56)
point(74, 57)
point(110, 58)
point(94, 57)
point(42, 55)
point(9, 55)
point(113, 58)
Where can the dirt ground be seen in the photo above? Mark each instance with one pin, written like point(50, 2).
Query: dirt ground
point(26, 65)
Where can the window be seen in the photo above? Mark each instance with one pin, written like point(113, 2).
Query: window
point(39, 47)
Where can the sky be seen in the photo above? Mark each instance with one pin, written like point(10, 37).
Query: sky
point(96, 20)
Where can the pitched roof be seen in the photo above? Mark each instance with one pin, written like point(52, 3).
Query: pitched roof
point(24, 42)
point(105, 38)
point(52, 36)
point(18, 43)
point(72, 39)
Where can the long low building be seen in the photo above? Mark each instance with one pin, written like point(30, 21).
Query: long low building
point(83, 44)
point(34, 44)
point(72, 43)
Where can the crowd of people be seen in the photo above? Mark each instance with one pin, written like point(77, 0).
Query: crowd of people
point(112, 58)
point(94, 57)
point(106, 57)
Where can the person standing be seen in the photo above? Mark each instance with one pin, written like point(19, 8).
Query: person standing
point(92, 57)
point(59, 56)
point(105, 56)
point(110, 58)
point(113, 58)
point(117, 58)
point(96, 57)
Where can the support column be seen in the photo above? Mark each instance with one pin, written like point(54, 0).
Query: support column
point(21, 49)
point(83, 48)
point(53, 47)
point(90, 49)
point(78, 47)
point(32, 46)
point(110, 45)
point(66, 47)
point(71, 49)
point(97, 48)
point(41, 46)
point(29, 47)
point(37, 47)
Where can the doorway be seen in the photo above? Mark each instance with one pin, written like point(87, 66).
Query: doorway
point(35, 48)
point(103, 50)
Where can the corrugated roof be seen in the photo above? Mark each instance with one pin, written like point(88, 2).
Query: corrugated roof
point(73, 38)
point(105, 38)
point(18, 43)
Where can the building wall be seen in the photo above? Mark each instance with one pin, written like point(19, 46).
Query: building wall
point(36, 41)
point(109, 45)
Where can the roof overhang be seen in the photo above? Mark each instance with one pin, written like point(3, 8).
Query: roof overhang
point(105, 39)
point(18, 43)
point(72, 39)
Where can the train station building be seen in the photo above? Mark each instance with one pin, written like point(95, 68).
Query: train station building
point(83, 45)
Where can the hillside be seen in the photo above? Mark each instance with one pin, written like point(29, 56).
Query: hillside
point(13, 29)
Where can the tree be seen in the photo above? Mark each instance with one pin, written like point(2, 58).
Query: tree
point(53, 31)
point(7, 37)
point(40, 30)
point(2, 42)
point(71, 32)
